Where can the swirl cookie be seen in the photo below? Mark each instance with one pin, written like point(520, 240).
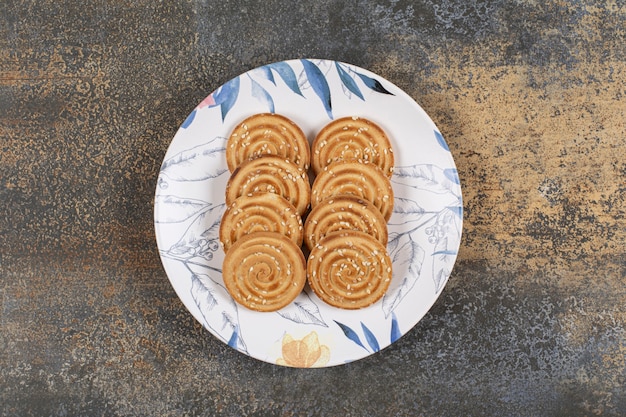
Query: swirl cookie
point(344, 212)
point(356, 178)
point(270, 174)
point(264, 271)
point(267, 134)
point(261, 212)
point(352, 138)
point(349, 269)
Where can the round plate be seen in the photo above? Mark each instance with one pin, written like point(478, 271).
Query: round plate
point(424, 230)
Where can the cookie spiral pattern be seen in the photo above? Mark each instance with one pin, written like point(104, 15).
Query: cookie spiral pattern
point(344, 212)
point(349, 270)
point(270, 174)
point(264, 271)
point(352, 138)
point(267, 134)
point(261, 212)
point(356, 178)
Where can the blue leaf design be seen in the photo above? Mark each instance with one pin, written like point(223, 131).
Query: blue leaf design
point(458, 210)
point(218, 309)
point(347, 80)
point(233, 342)
point(267, 73)
point(320, 85)
point(452, 175)
point(262, 95)
point(445, 252)
point(227, 95)
point(441, 141)
point(350, 334)
point(373, 84)
point(189, 119)
point(287, 74)
point(395, 329)
point(371, 339)
point(219, 96)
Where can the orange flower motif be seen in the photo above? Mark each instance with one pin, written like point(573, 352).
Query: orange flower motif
point(304, 353)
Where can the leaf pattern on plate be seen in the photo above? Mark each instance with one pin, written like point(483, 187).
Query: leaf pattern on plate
point(426, 177)
point(348, 82)
point(406, 255)
point(265, 72)
point(262, 95)
point(303, 311)
point(313, 75)
point(189, 119)
point(207, 161)
point(226, 96)
point(440, 140)
point(453, 175)
point(209, 101)
point(319, 84)
point(442, 220)
point(447, 224)
point(368, 335)
point(218, 309)
point(373, 84)
point(406, 211)
point(288, 75)
point(201, 239)
point(371, 339)
point(178, 209)
point(350, 334)
point(395, 329)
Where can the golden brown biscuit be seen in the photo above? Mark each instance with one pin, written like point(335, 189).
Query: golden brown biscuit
point(264, 271)
point(344, 212)
point(352, 138)
point(349, 269)
point(267, 134)
point(271, 174)
point(261, 212)
point(356, 178)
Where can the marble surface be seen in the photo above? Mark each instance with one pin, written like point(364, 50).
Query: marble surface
point(531, 98)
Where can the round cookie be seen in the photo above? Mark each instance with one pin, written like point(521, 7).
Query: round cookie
point(260, 212)
point(352, 138)
point(344, 212)
point(264, 271)
point(356, 178)
point(270, 174)
point(267, 134)
point(349, 269)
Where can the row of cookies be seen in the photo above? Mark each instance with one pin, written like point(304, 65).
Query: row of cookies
point(267, 194)
point(351, 201)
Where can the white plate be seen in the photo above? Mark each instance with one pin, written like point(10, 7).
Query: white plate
point(424, 230)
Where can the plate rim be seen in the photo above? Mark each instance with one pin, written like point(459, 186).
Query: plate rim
point(397, 91)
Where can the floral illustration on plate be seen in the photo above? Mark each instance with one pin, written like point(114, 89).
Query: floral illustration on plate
point(303, 353)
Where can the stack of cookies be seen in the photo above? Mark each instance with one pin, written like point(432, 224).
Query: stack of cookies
point(269, 193)
point(266, 195)
point(351, 201)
